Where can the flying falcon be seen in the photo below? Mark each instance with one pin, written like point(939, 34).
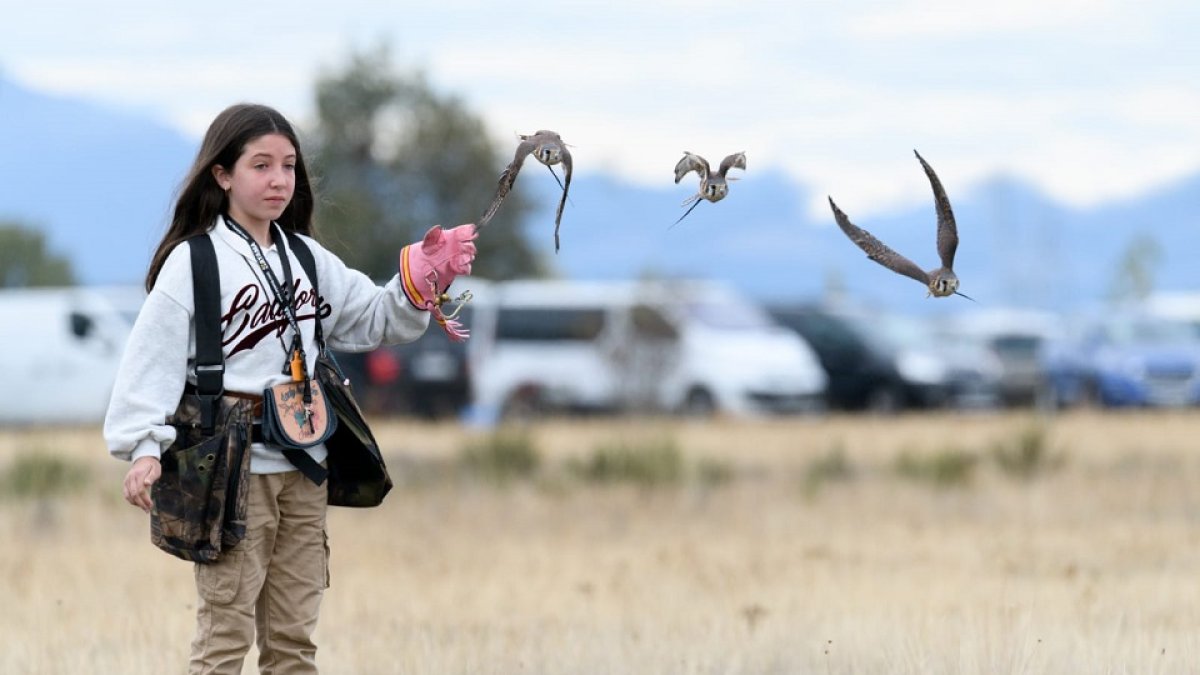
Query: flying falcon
point(548, 148)
point(713, 187)
point(941, 281)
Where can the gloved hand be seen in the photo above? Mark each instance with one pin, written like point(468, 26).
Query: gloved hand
point(429, 267)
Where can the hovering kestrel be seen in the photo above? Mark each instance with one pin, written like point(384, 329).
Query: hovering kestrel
point(941, 281)
point(713, 187)
point(548, 148)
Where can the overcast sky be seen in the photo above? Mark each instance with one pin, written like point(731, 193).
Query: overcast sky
point(1090, 99)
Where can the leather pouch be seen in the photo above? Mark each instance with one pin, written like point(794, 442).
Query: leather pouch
point(287, 424)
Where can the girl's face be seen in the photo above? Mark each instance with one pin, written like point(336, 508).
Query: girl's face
point(261, 182)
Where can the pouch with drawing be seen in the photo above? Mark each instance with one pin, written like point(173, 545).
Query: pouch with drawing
point(288, 423)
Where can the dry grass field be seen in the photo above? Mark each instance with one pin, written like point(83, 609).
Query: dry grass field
point(989, 543)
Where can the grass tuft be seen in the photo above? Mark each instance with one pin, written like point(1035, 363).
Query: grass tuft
point(648, 464)
point(37, 475)
point(946, 468)
point(502, 456)
point(1026, 455)
point(832, 466)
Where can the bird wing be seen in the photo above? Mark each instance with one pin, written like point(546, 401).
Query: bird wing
point(735, 161)
point(566, 164)
point(691, 162)
point(947, 231)
point(877, 250)
point(507, 178)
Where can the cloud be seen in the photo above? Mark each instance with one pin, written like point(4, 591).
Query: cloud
point(919, 19)
point(1090, 99)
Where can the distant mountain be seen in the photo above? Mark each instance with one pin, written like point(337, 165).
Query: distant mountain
point(1018, 247)
point(100, 183)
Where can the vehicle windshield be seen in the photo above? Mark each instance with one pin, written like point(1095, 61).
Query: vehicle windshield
point(549, 324)
point(892, 332)
point(723, 315)
point(1017, 346)
point(1146, 331)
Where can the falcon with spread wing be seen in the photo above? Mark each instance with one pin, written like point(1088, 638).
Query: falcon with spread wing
point(940, 281)
point(548, 148)
point(713, 186)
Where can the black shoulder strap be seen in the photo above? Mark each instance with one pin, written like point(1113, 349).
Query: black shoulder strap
point(305, 256)
point(210, 361)
point(206, 291)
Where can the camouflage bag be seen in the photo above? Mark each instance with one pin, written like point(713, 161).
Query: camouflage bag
point(200, 500)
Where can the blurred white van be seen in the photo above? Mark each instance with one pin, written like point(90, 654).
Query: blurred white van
point(691, 347)
point(59, 352)
point(733, 357)
point(545, 345)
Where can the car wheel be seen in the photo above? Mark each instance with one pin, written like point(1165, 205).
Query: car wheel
point(1046, 398)
point(885, 400)
point(699, 403)
point(1090, 396)
point(523, 405)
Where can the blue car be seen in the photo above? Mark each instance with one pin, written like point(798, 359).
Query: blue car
point(1125, 361)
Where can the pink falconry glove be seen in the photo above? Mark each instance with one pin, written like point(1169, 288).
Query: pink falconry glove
point(428, 267)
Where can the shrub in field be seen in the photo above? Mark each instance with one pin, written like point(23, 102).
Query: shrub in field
point(831, 466)
point(651, 463)
point(714, 472)
point(1027, 454)
point(36, 475)
point(949, 467)
point(502, 456)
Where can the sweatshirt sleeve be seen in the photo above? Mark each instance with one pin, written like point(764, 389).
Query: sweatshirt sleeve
point(363, 314)
point(153, 370)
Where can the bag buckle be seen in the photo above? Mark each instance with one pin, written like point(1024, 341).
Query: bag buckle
point(209, 379)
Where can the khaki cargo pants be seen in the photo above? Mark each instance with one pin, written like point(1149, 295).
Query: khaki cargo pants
point(270, 584)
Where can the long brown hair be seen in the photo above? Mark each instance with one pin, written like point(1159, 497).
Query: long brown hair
point(201, 199)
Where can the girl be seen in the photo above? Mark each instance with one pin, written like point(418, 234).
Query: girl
point(249, 185)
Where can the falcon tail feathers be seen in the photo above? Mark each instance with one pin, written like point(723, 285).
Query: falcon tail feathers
point(695, 203)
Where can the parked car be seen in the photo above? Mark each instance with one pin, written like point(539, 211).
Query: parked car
point(973, 370)
point(1125, 360)
point(544, 346)
point(1017, 339)
point(428, 378)
point(866, 371)
point(629, 346)
point(734, 357)
point(1178, 305)
point(59, 352)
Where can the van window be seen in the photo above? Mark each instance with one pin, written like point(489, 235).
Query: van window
point(1016, 346)
point(82, 325)
point(549, 324)
point(728, 315)
point(648, 323)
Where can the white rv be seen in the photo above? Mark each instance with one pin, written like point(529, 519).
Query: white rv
point(630, 346)
point(59, 352)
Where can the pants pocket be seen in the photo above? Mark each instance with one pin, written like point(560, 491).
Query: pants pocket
point(218, 582)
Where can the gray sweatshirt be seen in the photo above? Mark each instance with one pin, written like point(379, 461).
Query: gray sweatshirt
point(356, 315)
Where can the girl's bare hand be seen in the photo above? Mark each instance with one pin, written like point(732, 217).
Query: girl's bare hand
point(141, 476)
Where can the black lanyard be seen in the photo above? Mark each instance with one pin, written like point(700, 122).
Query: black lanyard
point(282, 294)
